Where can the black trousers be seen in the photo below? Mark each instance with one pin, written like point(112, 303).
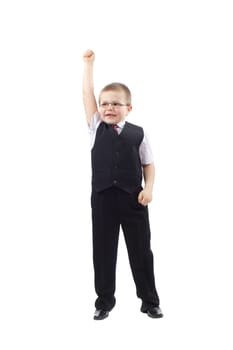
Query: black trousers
point(111, 209)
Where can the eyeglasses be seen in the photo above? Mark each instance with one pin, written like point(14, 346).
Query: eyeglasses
point(113, 105)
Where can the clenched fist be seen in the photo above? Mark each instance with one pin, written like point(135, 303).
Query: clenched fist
point(88, 56)
point(144, 197)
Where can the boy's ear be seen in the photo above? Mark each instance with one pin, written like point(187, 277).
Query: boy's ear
point(130, 108)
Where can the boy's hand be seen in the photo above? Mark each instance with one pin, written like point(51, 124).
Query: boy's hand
point(88, 56)
point(145, 197)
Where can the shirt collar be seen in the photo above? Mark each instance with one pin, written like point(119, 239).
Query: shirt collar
point(121, 124)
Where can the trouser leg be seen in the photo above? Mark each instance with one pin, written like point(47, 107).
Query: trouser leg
point(105, 242)
point(136, 229)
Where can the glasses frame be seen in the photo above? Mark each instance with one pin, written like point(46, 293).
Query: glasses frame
point(115, 105)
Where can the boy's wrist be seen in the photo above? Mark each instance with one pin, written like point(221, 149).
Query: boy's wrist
point(148, 187)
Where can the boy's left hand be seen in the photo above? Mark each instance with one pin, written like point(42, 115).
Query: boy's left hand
point(145, 197)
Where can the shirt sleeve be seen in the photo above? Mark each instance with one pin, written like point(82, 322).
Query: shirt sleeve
point(145, 151)
point(95, 121)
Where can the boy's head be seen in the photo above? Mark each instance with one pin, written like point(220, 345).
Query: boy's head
point(114, 103)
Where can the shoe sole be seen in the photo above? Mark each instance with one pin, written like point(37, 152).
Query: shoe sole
point(154, 316)
point(96, 318)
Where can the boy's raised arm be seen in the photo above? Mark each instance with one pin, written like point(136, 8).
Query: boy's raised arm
point(89, 100)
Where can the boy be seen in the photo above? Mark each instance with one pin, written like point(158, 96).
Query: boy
point(120, 156)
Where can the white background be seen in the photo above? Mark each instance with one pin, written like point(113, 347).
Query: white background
point(176, 56)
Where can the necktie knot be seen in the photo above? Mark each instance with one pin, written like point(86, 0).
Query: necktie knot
point(115, 127)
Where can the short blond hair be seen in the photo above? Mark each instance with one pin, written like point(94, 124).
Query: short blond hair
point(118, 87)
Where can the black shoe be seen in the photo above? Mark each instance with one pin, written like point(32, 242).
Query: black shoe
point(100, 314)
point(155, 312)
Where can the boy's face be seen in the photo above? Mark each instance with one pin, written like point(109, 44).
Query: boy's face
point(113, 107)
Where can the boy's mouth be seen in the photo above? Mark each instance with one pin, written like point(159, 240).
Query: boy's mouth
point(110, 115)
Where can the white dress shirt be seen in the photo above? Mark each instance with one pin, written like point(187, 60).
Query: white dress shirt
point(145, 151)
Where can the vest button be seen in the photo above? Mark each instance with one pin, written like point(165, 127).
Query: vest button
point(114, 182)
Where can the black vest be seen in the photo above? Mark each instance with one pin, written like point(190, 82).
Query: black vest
point(115, 158)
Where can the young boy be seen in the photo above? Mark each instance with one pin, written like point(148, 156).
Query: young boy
point(121, 158)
